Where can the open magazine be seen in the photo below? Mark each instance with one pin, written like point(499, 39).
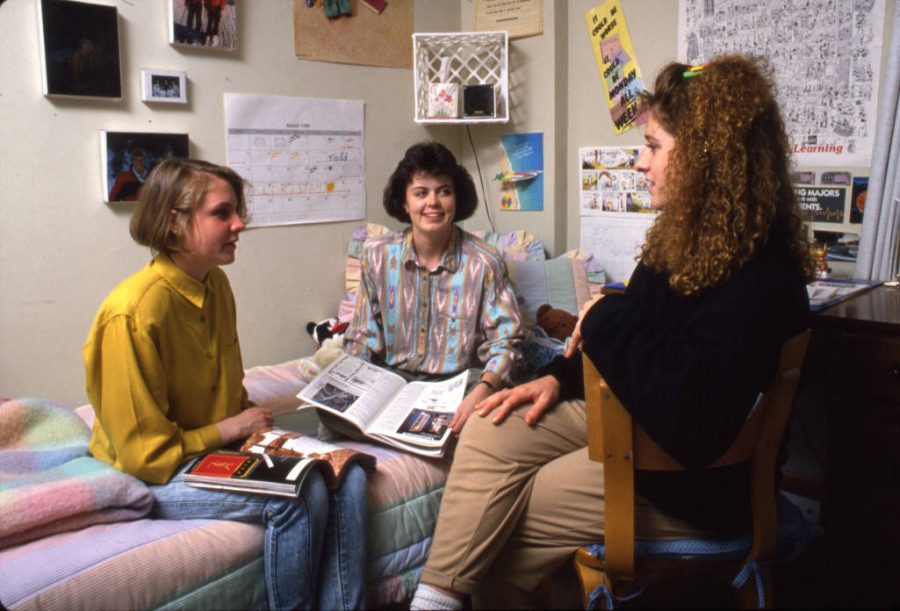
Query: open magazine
point(413, 416)
point(826, 293)
point(274, 461)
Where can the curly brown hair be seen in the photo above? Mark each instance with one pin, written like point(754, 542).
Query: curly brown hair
point(728, 187)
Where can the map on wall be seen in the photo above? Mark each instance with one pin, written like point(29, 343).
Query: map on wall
point(304, 158)
point(826, 56)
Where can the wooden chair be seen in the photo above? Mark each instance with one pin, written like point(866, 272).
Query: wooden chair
point(623, 446)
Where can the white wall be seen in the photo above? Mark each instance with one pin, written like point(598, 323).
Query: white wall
point(537, 92)
point(652, 25)
point(62, 249)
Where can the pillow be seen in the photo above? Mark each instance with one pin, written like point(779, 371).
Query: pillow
point(562, 282)
point(515, 245)
point(354, 248)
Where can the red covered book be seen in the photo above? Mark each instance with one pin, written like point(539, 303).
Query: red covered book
point(274, 462)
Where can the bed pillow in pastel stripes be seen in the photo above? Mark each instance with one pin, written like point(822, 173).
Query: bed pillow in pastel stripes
point(562, 282)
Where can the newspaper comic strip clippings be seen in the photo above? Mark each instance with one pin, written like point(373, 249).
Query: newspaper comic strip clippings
point(609, 182)
point(826, 58)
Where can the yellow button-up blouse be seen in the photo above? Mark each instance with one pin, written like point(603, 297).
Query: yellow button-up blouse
point(163, 365)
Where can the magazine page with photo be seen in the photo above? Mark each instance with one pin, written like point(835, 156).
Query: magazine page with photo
point(281, 442)
point(381, 405)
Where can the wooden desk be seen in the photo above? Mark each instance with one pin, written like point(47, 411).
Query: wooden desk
point(853, 370)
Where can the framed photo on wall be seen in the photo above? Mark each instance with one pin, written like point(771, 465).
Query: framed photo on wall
point(79, 49)
point(128, 157)
point(211, 24)
point(166, 86)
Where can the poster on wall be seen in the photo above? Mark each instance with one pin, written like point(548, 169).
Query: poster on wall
point(826, 58)
point(303, 157)
point(858, 198)
point(520, 18)
point(618, 66)
point(128, 158)
point(79, 45)
point(822, 204)
point(211, 24)
point(522, 171)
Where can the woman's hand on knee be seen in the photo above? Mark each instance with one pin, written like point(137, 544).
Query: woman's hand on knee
point(542, 393)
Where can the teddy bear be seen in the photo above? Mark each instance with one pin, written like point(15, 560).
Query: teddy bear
point(557, 323)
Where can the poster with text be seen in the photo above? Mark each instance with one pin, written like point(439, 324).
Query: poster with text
point(520, 18)
point(822, 204)
point(618, 66)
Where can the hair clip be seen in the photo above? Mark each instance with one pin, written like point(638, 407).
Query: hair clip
point(693, 71)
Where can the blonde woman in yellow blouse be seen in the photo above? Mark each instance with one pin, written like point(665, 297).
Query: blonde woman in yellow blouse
point(165, 377)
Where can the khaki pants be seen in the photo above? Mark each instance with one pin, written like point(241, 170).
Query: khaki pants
point(519, 501)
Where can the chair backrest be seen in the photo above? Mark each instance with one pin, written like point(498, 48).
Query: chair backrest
point(624, 446)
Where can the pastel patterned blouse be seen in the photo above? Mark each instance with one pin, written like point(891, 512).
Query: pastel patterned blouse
point(463, 314)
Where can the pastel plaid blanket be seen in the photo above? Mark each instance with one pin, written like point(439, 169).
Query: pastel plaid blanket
point(48, 481)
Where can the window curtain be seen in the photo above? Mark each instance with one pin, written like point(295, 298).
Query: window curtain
point(879, 239)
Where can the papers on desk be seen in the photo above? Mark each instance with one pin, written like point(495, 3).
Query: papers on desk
point(826, 293)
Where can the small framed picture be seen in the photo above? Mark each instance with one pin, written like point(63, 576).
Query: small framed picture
point(128, 157)
point(164, 86)
point(79, 45)
point(211, 24)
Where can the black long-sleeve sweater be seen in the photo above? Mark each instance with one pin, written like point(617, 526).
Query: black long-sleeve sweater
point(689, 369)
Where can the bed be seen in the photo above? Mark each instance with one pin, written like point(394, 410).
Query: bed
point(215, 564)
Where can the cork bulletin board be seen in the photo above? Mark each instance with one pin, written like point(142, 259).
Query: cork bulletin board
point(365, 37)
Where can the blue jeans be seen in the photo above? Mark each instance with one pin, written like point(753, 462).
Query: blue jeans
point(315, 552)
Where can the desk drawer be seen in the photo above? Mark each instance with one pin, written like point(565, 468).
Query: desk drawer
point(866, 366)
point(863, 456)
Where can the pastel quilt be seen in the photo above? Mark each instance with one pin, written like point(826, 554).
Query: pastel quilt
point(48, 481)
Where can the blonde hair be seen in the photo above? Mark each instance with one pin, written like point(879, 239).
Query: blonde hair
point(728, 188)
point(177, 184)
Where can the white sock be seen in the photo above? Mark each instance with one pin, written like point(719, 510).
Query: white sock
point(432, 599)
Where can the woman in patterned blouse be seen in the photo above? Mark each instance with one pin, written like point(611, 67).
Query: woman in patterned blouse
point(435, 300)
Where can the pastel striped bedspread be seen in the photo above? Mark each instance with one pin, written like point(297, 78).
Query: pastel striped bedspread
point(209, 564)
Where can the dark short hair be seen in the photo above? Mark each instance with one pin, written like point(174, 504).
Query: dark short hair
point(434, 159)
point(177, 184)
